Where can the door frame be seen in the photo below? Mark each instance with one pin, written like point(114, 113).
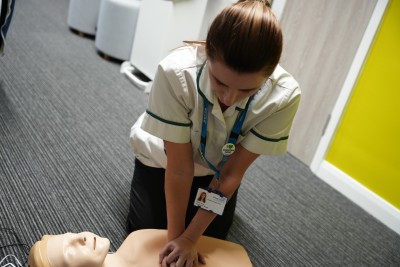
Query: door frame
point(342, 182)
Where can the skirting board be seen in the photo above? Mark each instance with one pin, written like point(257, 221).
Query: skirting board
point(360, 195)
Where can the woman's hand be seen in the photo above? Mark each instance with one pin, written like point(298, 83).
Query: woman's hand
point(180, 252)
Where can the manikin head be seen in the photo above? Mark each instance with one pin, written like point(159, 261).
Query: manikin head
point(69, 250)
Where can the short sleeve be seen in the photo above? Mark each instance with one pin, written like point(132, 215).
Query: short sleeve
point(167, 112)
point(270, 136)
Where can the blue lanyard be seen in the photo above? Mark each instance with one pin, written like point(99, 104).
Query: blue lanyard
point(232, 137)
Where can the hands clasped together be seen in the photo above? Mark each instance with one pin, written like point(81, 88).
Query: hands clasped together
point(180, 252)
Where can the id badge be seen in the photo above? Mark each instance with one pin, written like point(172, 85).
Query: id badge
point(210, 200)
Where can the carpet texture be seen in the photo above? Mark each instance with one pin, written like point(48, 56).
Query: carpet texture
point(66, 163)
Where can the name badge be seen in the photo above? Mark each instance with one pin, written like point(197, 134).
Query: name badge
point(211, 201)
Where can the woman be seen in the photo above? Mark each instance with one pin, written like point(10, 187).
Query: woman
point(139, 249)
point(214, 107)
point(202, 197)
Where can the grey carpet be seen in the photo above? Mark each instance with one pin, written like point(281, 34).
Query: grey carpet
point(66, 164)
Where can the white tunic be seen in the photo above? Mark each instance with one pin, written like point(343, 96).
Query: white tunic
point(175, 112)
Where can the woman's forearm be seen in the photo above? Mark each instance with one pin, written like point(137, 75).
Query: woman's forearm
point(178, 181)
point(177, 191)
point(203, 218)
point(198, 225)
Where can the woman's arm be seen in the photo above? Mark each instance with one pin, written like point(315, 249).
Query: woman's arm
point(178, 181)
point(231, 177)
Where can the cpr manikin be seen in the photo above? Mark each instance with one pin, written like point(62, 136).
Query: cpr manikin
point(140, 249)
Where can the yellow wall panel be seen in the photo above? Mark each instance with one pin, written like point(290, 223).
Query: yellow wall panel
point(367, 143)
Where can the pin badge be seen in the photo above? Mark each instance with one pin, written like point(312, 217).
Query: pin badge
point(228, 149)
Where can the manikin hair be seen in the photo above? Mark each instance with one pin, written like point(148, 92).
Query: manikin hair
point(246, 37)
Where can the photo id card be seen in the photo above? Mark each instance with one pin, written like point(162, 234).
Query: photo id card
point(211, 201)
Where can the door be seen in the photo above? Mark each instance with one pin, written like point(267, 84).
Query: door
point(321, 38)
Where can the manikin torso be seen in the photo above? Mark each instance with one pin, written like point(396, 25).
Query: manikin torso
point(140, 249)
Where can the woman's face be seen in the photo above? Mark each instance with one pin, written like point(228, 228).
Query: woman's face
point(76, 250)
point(231, 86)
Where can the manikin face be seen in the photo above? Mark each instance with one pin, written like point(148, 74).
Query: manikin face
point(231, 86)
point(75, 250)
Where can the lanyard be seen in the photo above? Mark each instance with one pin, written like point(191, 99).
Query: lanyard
point(232, 137)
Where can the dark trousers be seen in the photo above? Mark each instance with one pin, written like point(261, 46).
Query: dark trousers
point(147, 207)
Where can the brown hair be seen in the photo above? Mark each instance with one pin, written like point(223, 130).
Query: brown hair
point(247, 37)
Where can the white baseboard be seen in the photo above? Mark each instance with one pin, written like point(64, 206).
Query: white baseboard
point(360, 195)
